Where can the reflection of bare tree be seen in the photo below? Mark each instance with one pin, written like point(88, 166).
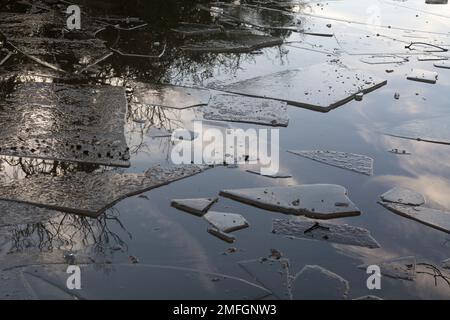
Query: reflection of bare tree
point(69, 232)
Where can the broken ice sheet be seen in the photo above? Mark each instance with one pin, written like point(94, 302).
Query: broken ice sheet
point(315, 282)
point(442, 64)
point(271, 274)
point(90, 193)
point(350, 161)
point(169, 96)
point(318, 201)
point(197, 207)
point(226, 222)
point(144, 282)
point(232, 42)
point(433, 218)
point(403, 196)
point(403, 268)
point(320, 87)
point(335, 233)
point(16, 213)
point(79, 123)
point(380, 59)
point(423, 76)
point(227, 107)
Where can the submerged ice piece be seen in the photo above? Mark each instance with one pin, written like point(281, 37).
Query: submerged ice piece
point(226, 222)
point(272, 274)
point(79, 123)
point(433, 218)
point(320, 87)
point(350, 161)
point(16, 213)
point(197, 207)
point(197, 29)
point(403, 196)
point(446, 264)
point(168, 96)
point(403, 268)
point(315, 282)
point(423, 76)
point(227, 107)
point(377, 59)
point(143, 282)
point(319, 201)
point(90, 193)
point(442, 64)
point(232, 42)
point(335, 233)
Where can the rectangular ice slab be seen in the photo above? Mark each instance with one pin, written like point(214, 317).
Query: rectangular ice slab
point(436, 219)
point(78, 123)
point(318, 201)
point(336, 233)
point(169, 96)
point(320, 87)
point(226, 222)
point(234, 108)
point(423, 76)
point(90, 193)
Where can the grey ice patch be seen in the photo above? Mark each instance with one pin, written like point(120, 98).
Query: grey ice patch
point(78, 123)
point(320, 87)
point(433, 218)
point(272, 274)
point(197, 207)
point(234, 108)
point(226, 222)
point(350, 161)
point(319, 201)
point(168, 96)
point(335, 233)
point(403, 268)
point(90, 193)
point(423, 76)
point(403, 196)
point(143, 282)
point(315, 282)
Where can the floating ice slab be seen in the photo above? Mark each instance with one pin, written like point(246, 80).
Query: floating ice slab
point(276, 175)
point(442, 64)
point(436, 219)
point(227, 107)
point(403, 196)
point(226, 222)
point(403, 268)
point(232, 42)
point(320, 87)
point(222, 235)
point(315, 282)
point(90, 193)
point(423, 76)
point(169, 96)
point(350, 161)
point(319, 201)
point(143, 282)
point(336, 233)
point(195, 206)
point(369, 297)
point(63, 122)
point(431, 58)
point(271, 274)
point(383, 59)
point(16, 213)
point(432, 130)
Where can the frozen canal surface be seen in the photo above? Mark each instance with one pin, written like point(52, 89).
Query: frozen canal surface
point(144, 237)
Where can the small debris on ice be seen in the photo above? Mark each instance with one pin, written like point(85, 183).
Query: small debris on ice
point(397, 96)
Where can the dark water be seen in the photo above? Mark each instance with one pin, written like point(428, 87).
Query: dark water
point(157, 234)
